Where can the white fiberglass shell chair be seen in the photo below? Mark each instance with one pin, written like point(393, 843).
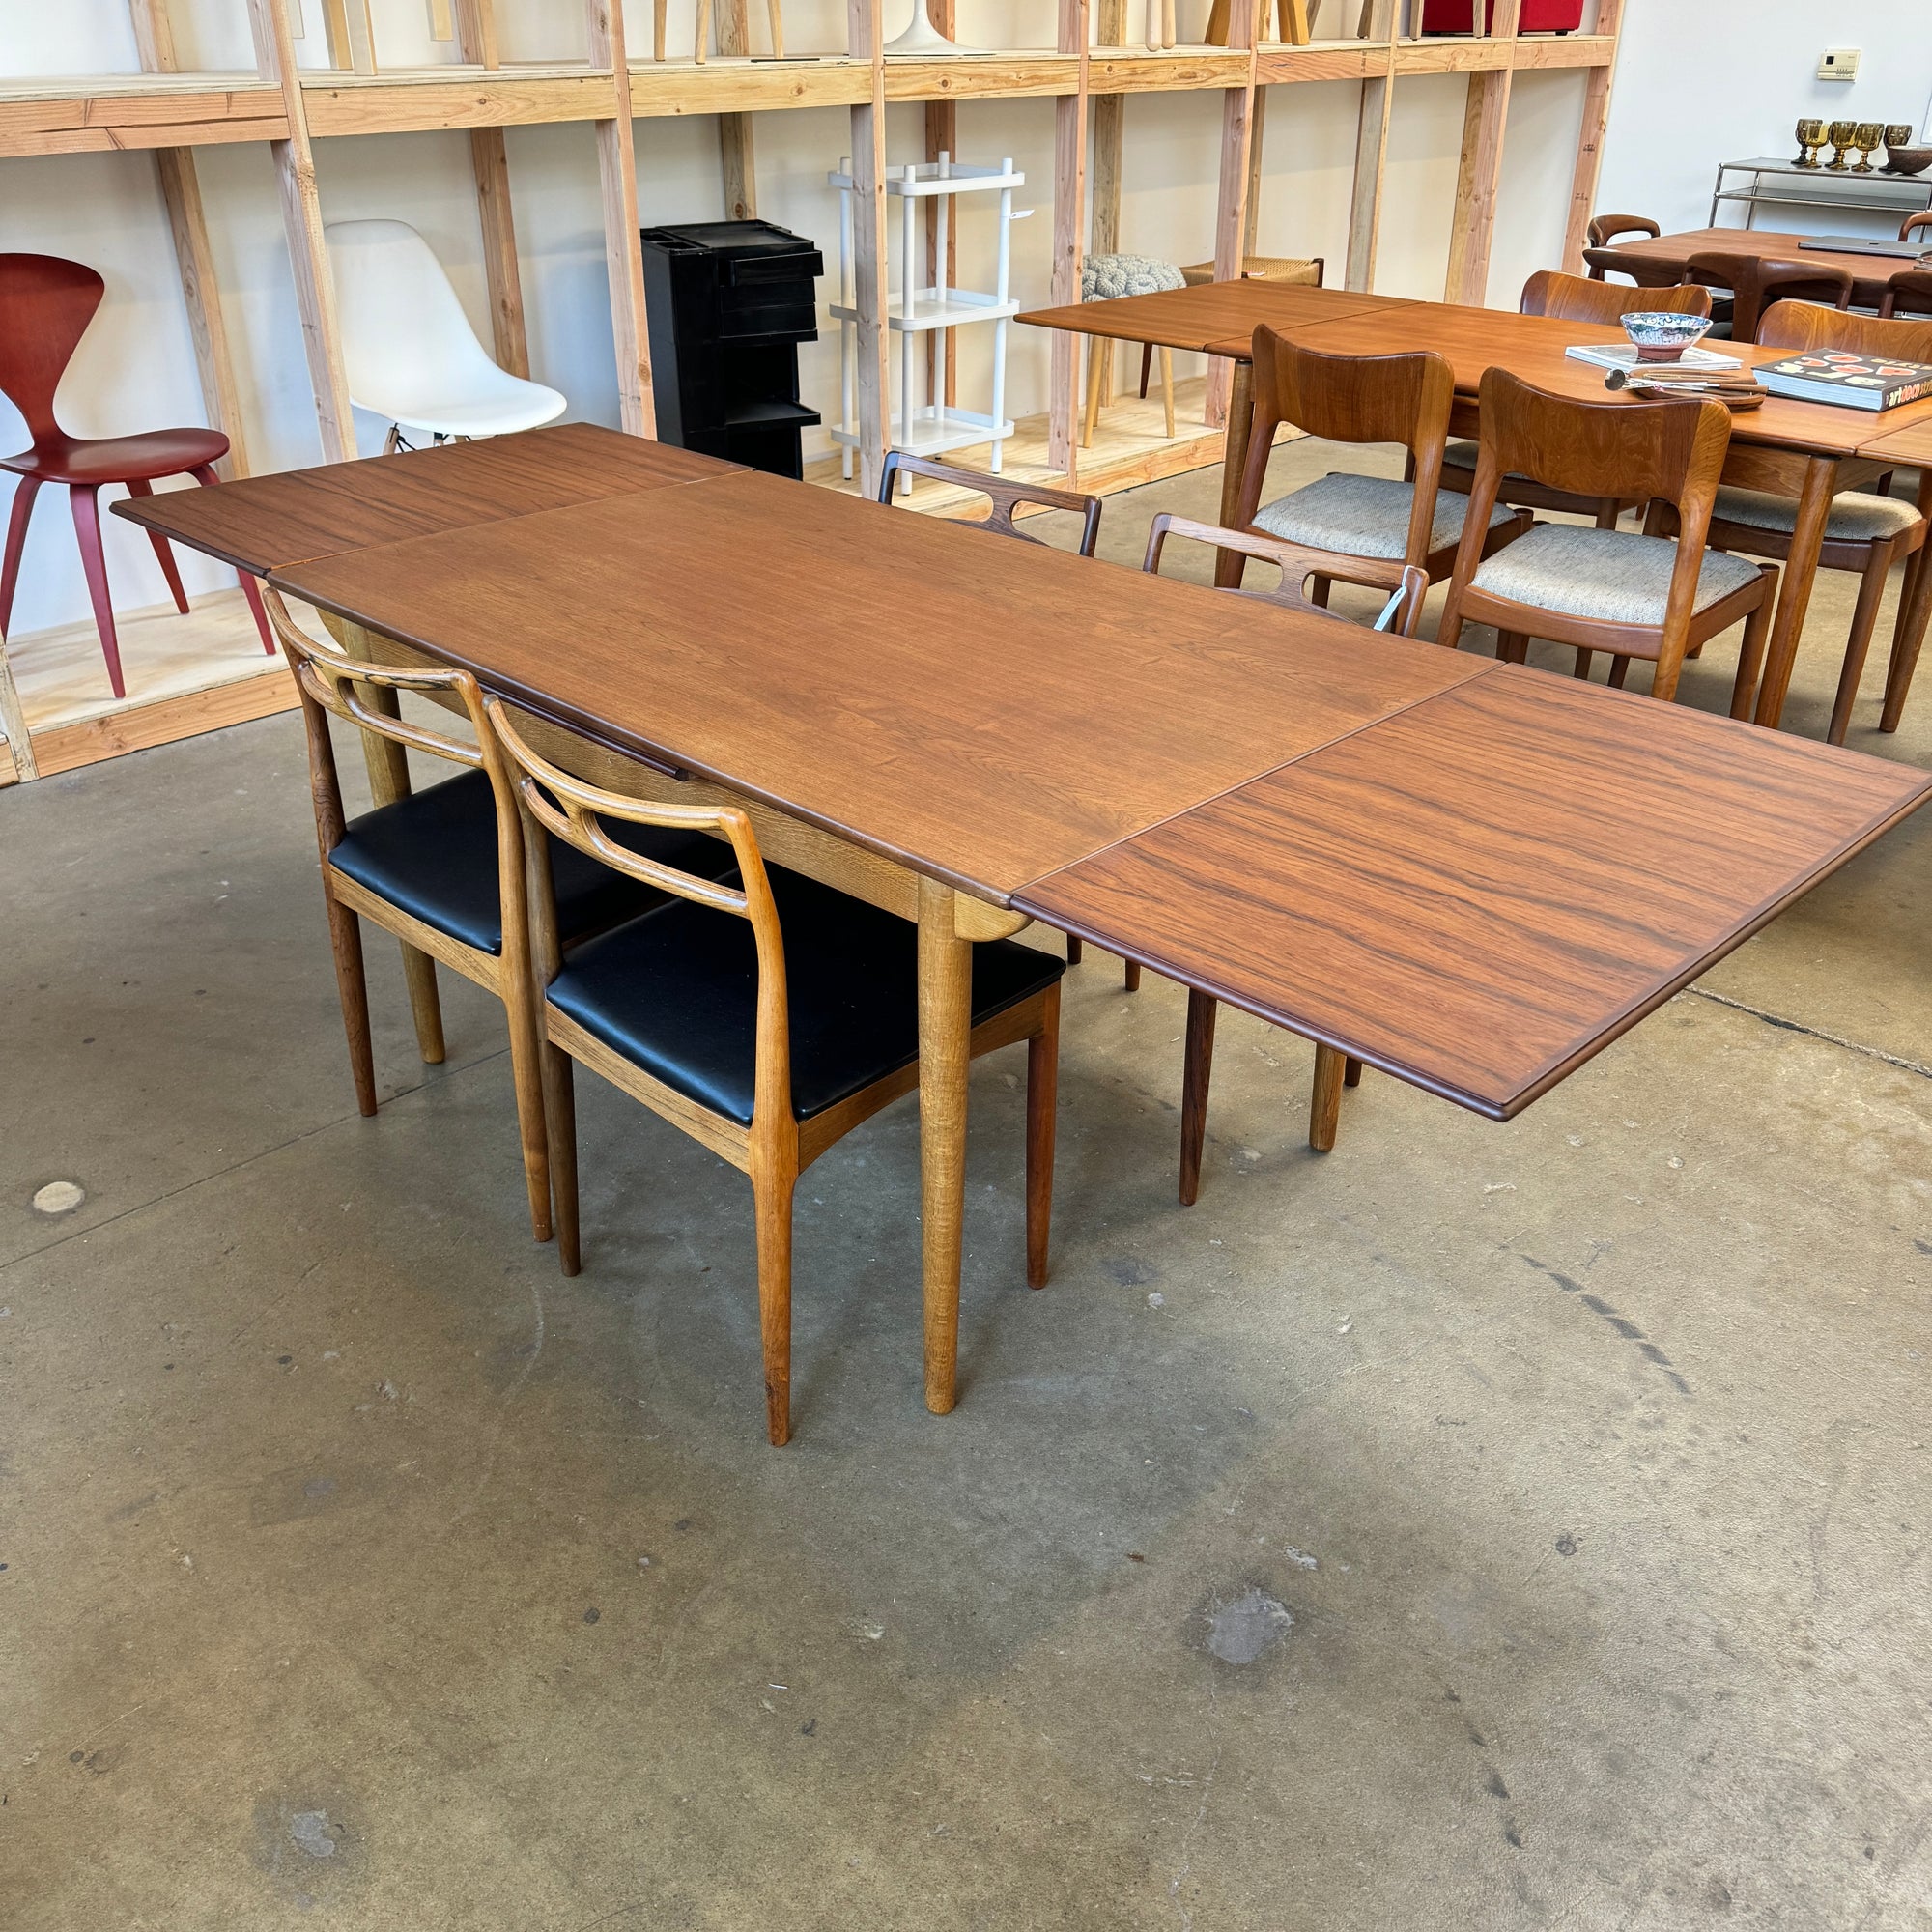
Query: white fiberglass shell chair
point(411, 353)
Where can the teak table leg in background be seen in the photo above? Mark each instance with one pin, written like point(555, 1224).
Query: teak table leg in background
point(945, 1048)
point(1794, 596)
point(1240, 427)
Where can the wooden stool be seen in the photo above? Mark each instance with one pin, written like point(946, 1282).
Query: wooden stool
point(1107, 278)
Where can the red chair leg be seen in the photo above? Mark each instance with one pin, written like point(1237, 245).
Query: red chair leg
point(16, 541)
point(250, 589)
point(87, 529)
point(163, 555)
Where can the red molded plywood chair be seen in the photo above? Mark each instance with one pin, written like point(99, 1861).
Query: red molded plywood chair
point(45, 305)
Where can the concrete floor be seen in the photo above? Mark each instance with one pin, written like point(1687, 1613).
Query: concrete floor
point(1477, 1527)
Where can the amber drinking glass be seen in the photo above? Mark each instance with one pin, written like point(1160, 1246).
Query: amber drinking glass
point(1811, 137)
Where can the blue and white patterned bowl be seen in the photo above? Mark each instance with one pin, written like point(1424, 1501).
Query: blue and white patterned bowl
point(1663, 335)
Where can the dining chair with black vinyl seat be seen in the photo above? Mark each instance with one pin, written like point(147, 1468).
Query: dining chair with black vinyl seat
point(1651, 596)
point(1575, 299)
point(1405, 585)
point(443, 868)
point(761, 1012)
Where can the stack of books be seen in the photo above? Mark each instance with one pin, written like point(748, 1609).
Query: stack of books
point(1854, 382)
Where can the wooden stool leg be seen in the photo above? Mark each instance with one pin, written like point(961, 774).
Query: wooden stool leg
point(81, 501)
point(703, 30)
point(1167, 388)
point(1095, 357)
point(658, 29)
point(1197, 1069)
point(1864, 620)
point(1325, 1106)
point(559, 1106)
point(1043, 1090)
point(778, 28)
point(164, 553)
point(772, 1182)
point(345, 944)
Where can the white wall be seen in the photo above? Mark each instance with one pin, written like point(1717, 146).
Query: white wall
point(136, 368)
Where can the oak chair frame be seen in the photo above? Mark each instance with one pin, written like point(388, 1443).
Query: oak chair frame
point(1004, 493)
point(1400, 614)
point(1910, 288)
point(1575, 299)
point(1604, 229)
point(1402, 399)
point(777, 1148)
point(366, 696)
point(1757, 284)
point(1664, 454)
point(1800, 326)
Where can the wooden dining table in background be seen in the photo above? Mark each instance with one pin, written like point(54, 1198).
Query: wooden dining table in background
point(1869, 273)
point(1470, 875)
point(1807, 451)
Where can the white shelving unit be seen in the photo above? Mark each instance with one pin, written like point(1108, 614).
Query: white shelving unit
point(929, 428)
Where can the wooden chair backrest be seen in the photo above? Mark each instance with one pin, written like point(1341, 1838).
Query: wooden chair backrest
point(1923, 220)
point(1400, 615)
point(1804, 326)
point(1577, 298)
point(1910, 290)
point(45, 305)
point(571, 809)
point(1760, 283)
point(1604, 229)
point(1003, 493)
point(1404, 399)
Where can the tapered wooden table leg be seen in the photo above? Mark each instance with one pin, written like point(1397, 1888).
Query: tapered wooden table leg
point(1324, 1106)
point(1241, 422)
point(945, 1029)
point(1794, 597)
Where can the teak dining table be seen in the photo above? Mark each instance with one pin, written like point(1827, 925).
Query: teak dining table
point(1470, 875)
point(1809, 451)
point(1869, 273)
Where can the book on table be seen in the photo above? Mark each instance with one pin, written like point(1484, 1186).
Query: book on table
point(1839, 376)
point(1622, 355)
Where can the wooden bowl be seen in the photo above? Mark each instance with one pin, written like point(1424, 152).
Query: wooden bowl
point(1907, 160)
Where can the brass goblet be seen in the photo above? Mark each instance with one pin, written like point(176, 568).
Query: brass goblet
point(1839, 133)
point(1865, 138)
point(1811, 137)
point(1897, 134)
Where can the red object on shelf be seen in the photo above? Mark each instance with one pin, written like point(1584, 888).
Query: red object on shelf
point(1539, 16)
point(46, 304)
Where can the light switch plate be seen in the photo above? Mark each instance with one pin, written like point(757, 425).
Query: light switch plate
point(1839, 63)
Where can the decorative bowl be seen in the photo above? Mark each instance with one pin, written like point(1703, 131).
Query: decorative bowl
point(1907, 160)
point(1663, 335)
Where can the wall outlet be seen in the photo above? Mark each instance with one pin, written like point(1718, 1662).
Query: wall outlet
point(1839, 63)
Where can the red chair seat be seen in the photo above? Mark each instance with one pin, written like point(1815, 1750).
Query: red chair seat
point(119, 459)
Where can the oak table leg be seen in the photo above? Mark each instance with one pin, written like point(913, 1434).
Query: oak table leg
point(1794, 597)
point(1324, 1104)
point(1240, 426)
point(944, 1046)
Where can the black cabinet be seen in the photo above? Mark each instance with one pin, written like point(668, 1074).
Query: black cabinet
point(729, 302)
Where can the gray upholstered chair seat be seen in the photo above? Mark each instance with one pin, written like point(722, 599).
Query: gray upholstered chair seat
point(1613, 575)
point(1363, 516)
point(1855, 517)
point(1461, 455)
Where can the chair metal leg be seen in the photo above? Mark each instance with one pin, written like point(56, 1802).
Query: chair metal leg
point(81, 501)
point(1197, 1070)
point(1041, 1101)
point(163, 551)
point(250, 589)
point(1864, 620)
point(28, 487)
point(772, 1180)
point(560, 1108)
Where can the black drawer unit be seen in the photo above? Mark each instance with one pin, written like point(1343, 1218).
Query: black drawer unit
point(729, 302)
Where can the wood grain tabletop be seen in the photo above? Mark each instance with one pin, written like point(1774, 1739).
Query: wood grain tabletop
point(981, 710)
point(261, 522)
point(1209, 312)
point(1482, 891)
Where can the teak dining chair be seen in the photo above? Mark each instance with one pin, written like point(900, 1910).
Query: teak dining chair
point(1758, 283)
point(1361, 521)
point(45, 306)
point(1866, 534)
point(1603, 230)
point(1603, 258)
point(1633, 596)
point(1005, 496)
point(442, 869)
point(1573, 299)
point(762, 1013)
point(1907, 292)
point(1400, 614)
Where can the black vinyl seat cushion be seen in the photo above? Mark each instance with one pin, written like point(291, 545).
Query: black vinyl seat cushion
point(675, 993)
point(434, 854)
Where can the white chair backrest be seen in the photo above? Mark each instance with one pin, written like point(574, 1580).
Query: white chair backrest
point(405, 336)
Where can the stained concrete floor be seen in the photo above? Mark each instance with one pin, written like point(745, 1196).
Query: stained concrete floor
point(1477, 1527)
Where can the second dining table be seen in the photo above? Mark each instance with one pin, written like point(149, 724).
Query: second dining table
point(1807, 451)
point(1470, 875)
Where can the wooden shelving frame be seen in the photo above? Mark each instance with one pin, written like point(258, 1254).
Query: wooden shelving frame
point(1089, 73)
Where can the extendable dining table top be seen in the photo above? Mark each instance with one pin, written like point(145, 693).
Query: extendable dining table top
point(1470, 875)
point(1869, 273)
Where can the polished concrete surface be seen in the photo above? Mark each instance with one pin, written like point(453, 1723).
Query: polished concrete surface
point(1478, 1526)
